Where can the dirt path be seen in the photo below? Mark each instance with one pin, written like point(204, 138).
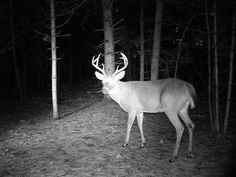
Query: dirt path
point(87, 143)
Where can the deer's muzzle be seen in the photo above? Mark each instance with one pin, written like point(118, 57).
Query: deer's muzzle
point(105, 90)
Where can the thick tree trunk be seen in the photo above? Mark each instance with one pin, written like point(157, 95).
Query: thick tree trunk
point(108, 37)
point(141, 42)
point(231, 70)
point(156, 40)
point(54, 59)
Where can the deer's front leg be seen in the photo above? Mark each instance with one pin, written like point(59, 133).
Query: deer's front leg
point(129, 126)
point(140, 124)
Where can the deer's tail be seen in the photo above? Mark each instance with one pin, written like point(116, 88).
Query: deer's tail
point(192, 96)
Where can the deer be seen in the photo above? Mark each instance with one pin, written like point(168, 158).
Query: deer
point(171, 96)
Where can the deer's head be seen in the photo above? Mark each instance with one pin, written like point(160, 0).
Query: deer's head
point(109, 81)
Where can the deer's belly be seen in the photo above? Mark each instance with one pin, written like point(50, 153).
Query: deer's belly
point(136, 106)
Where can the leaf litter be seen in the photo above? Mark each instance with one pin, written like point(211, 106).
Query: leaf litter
point(87, 140)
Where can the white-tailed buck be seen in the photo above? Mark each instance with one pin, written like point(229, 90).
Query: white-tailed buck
point(171, 96)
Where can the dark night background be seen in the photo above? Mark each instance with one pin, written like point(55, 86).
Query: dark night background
point(31, 29)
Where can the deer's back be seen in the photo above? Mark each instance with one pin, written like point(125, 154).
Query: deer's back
point(155, 96)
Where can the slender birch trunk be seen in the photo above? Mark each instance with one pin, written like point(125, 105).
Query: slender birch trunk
point(231, 70)
point(54, 59)
point(141, 41)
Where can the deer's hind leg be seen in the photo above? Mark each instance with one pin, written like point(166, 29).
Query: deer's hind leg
point(174, 119)
point(190, 126)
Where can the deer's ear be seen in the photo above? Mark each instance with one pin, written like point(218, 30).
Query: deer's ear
point(120, 75)
point(99, 76)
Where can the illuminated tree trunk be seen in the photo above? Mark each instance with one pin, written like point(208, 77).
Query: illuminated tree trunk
point(141, 41)
point(54, 59)
point(156, 41)
point(109, 54)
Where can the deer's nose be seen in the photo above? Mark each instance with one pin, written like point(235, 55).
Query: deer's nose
point(105, 90)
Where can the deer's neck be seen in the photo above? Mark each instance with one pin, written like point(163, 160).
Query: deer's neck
point(119, 91)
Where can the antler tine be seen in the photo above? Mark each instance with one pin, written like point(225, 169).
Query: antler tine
point(95, 62)
point(125, 64)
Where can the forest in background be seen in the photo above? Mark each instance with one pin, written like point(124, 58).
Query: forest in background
point(25, 42)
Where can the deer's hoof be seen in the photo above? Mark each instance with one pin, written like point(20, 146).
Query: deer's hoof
point(190, 155)
point(124, 145)
point(142, 145)
point(173, 159)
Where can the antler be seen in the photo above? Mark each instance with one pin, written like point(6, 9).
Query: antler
point(95, 64)
point(125, 64)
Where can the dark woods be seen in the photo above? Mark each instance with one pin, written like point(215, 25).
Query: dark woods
point(195, 44)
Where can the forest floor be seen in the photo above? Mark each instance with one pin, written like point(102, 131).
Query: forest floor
point(86, 141)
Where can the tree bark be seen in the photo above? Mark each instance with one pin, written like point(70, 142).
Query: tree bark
point(156, 41)
point(141, 41)
point(209, 68)
point(217, 122)
point(70, 64)
point(108, 37)
point(231, 70)
point(54, 59)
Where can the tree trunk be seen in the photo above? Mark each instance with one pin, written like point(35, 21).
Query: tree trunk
point(108, 37)
point(217, 122)
point(24, 71)
point(209, 67)
point(141, 42)
point(231, 70)
point(129, 73)
point(54, 59)
point(70, 64)
point(17, 74)
point(156, 40)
